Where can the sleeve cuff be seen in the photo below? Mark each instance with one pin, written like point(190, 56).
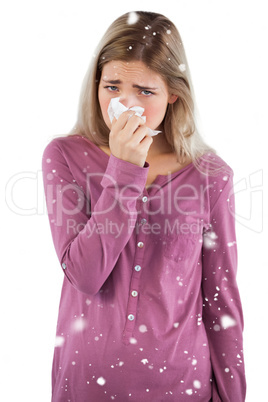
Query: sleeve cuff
point(123, 173)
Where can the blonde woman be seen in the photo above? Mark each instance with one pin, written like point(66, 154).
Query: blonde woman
point(142, 218)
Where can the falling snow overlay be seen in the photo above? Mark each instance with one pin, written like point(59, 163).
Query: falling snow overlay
point(227, 321)
point(149, 309)
point(182, 67)
point(101, 381)
point(59, 341)
point(132, 18)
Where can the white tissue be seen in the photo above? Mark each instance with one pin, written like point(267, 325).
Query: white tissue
point(115, 109)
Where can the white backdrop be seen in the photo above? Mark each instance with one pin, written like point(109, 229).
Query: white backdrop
point(45, 50)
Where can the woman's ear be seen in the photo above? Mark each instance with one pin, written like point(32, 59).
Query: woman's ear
point(172, 98)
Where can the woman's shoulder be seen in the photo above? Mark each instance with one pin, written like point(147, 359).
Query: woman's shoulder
point(67, 141)
point(70, 146)
point(74, 151)
point(217, 178)
point(213, 165)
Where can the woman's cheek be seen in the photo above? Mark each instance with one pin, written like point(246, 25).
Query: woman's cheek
point(154, 117)
point(104, 103)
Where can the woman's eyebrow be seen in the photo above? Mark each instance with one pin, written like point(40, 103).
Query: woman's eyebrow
point(113, 82)
point(140, 87)
point(118, 82)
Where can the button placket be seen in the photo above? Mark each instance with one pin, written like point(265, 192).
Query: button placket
point(136, 272)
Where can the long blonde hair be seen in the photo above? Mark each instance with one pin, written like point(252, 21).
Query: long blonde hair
point(153, 39)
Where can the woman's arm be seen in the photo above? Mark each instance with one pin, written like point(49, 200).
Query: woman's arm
point(222, 312)
point(88, 244)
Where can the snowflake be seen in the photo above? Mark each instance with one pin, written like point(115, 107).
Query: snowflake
point(101, 381)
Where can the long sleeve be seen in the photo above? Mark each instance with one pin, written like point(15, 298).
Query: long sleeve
point(222, 312)
point(88, 240)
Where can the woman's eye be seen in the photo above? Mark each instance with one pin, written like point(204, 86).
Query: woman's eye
point(111, 88)
point(146, 93)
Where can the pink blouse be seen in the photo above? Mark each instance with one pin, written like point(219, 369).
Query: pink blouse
point(150, 309)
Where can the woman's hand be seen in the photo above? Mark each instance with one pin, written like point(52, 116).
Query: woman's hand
point(129, 139)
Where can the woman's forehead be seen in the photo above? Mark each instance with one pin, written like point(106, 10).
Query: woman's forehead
point(130, 70)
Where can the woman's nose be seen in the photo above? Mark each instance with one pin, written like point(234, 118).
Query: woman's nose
point(128, 101)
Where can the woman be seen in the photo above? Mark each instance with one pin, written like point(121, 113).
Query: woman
point(144, 230)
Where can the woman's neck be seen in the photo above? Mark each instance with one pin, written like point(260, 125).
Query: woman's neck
point(159, 146)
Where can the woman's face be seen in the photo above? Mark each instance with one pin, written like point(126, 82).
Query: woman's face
point(136, 85)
